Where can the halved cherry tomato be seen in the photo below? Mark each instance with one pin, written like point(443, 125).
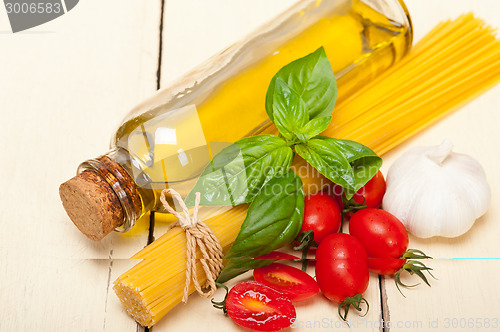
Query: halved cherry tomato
point(259, 307)
point(296, 284)
point(342, 271)
point(371, 194)
point(322, 215)
point(381, 233)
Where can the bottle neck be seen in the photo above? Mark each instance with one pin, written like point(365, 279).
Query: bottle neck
point(109, 168)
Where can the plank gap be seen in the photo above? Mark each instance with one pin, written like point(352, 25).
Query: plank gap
point(384, 307)
point(107, 288)
point(160, 46)
point(151, 233)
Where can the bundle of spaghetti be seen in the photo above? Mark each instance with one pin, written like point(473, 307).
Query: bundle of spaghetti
point(454, 63)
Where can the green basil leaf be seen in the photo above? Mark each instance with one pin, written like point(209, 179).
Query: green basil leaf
point(289, 110)
point(365, 163)
point(273, 219)
point(237, 266)
point(312, 78)
point(315, 127)
point(325, 156)
point(238, 172)
point(346, 163)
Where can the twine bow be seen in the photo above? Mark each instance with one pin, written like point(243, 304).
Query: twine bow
point(198, 234)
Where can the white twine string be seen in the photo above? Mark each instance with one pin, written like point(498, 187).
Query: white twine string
point(198, 234)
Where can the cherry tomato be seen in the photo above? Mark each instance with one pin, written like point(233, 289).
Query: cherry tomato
point(386, 242)
point(342, 278)
point(335, 248)
point(296, 284)
point(341, 268)
point(381, 233)
point(371, 194)
point(322, 215)
point(259, 307)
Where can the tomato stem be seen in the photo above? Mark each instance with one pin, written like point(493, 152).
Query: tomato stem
point(351, 205)
point(413, 267)
point(415, 254)
point(222, 304)
point(354, 301)
point(306, 240)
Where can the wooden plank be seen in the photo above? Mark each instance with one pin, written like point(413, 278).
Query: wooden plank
point(466, 296)
point(65, 86)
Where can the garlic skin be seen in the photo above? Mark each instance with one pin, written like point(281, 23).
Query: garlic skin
point(436, 192)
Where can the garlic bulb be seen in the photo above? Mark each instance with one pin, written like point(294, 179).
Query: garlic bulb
point(436, 192)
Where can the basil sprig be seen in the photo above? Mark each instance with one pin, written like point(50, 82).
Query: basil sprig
point(299, 100)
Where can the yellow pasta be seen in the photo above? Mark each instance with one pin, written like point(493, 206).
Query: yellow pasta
point(453, 64)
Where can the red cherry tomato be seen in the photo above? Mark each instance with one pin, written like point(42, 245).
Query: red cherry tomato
point(322, 215)
point(385, 266)
point(341, 268)
point(371, 194)
point(381, 233)
point(259, 307)
point(296, 284)
point(342, 278)
point(386, 242)
point(341, 246)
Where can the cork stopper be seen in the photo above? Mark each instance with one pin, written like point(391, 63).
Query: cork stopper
point(91, 204)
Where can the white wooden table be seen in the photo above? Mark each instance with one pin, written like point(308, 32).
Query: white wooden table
point(64, 87)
